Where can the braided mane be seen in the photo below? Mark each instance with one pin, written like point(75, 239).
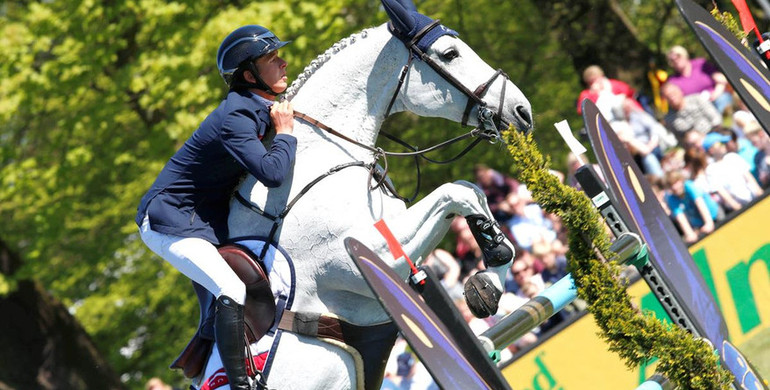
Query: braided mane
point(321, 60)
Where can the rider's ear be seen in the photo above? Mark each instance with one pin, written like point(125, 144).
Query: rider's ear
point(249, 76)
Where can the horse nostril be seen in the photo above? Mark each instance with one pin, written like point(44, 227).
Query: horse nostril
point(524, 116)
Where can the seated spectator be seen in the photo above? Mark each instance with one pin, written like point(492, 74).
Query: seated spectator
point(523, 271)
point(696, 162)
point(740, 145)
point(642, 151)
point(528, 223)
point(467, 250)
point(157, 384)
point(605, 92)
point(759, 138)
point(691, 112)
point(573, 163)
point(697, 76)
point(729, 170)
point(496, 187)
point(692, 209)
point(673, 160)
point(447, 269)
point(693, 139)
point(648, 129)
point(741, 117)
point(554, 264)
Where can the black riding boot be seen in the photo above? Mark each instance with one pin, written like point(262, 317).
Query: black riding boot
point(230, 338)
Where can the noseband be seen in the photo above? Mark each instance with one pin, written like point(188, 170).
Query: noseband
point(489, 120)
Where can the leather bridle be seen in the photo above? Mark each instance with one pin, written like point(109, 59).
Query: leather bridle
point(489, 120)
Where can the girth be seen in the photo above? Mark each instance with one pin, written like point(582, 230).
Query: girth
point(373, 342)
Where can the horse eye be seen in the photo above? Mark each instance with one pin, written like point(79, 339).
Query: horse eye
point(450, 54)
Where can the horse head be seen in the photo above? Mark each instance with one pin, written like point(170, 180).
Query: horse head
point(444, 70)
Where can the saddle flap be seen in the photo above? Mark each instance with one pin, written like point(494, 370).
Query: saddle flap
point(259, 311)
point(258, 314)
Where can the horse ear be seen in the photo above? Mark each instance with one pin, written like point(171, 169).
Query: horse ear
point(408, 5)
point(403, 22)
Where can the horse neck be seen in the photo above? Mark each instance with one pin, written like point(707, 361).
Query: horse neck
point(349, 90)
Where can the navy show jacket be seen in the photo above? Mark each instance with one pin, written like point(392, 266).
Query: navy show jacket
point(190, 197)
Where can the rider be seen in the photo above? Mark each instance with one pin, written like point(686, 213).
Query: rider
point(184, 214)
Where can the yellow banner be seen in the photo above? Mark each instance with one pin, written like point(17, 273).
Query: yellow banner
point(735, 262)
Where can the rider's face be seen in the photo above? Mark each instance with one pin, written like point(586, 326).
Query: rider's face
point(272, 69)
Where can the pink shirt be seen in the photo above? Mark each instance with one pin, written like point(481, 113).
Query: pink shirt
point(699, 79)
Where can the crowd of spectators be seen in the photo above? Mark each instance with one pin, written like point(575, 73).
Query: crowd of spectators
point(703, 152)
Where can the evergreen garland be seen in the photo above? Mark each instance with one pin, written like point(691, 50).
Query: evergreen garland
point(688, 362)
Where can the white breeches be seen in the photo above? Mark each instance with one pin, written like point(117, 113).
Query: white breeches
point(197, 259)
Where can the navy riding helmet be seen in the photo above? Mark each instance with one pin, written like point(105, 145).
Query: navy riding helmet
point(240, 49)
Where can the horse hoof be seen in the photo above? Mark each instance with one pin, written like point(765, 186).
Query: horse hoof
point(481, 295)
point(491, 240)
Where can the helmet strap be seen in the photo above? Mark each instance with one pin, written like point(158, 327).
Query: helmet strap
point(260, 84)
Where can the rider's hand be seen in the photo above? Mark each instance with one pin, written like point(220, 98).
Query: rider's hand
point(282, 115)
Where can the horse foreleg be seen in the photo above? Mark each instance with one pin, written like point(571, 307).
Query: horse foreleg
point(422, 226)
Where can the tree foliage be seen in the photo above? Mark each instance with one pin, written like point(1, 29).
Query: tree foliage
point(96, 96)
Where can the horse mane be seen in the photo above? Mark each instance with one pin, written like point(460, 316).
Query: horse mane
point(321, 60)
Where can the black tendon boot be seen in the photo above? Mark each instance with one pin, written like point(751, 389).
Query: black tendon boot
point(230, 337)
point(490, 239)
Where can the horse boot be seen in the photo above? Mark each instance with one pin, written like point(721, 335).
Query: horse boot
point(483, 290)
point(230, 334)
point(490, 239)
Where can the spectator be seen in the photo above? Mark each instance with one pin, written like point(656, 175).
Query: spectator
point(696, 162)
point(496, 187)
point(729, 170)
point(523, 271)
point(692, 209)
point(673, 160)
point(573, 163)
point(698, 77)
point(761, 141)
point(447, 269)
point(693, 139)
point(157, 384)
point(605, 92)
point(658, 186)
point(691, 112)
point(741, 117)
point(528, 223)
point(647, 129)
point(467, 249)
point(555, 264)
point(641, 147)
point(741, 146)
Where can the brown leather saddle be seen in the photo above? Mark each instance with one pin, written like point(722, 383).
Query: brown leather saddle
point(259, 311)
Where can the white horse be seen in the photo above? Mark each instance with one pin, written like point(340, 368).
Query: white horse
point(351, 88)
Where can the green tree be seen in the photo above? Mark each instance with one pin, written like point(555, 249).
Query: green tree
point(95, 98)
